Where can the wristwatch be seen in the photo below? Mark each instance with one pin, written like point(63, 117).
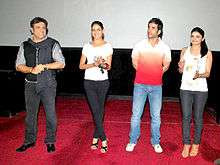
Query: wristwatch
point(46, 67)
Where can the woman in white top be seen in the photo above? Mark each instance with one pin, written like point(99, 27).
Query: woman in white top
point(96, 60)
point(195, 64)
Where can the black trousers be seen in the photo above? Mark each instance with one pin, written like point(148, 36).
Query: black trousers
point(96, 92)
point(34, 93)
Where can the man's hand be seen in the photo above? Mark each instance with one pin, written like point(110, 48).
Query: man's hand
point(38, 69)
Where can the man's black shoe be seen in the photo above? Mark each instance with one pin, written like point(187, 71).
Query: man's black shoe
point(50, 147)
point(24, 147)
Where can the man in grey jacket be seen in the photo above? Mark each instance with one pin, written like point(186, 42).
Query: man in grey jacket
point(39, 57)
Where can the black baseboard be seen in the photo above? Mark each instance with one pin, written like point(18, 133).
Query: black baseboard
point(121, 76)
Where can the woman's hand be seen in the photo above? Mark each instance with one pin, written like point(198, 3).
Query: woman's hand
point(181, 64)
point(196, 75)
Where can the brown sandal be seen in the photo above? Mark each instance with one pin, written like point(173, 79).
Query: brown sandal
point(195, 150)
point(185, 152)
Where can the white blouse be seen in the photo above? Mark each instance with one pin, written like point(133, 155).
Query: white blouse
point(91, 54)
point(193, 64)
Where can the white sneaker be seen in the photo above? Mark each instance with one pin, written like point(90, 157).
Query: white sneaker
point(158, 148)
point(130, 147)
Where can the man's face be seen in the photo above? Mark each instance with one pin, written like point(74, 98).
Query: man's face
point(153, 31)
point(39, 30)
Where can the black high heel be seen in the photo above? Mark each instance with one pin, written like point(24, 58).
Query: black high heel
point(104, 148)
point(95, 146)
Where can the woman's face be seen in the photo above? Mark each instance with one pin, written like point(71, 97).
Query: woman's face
point(97, 32)
point(196, 38)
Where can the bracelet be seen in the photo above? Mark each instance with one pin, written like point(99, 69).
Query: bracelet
point(202, 76)
point(31, 70)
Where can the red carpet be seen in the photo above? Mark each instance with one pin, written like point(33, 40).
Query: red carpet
point(74, 135)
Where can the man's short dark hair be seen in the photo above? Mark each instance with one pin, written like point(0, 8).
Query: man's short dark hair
point(159, 24)
point(38, 20)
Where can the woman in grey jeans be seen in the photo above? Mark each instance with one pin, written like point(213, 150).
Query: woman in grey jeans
point(195, 65)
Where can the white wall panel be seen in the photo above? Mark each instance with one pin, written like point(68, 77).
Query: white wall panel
point(125, 21)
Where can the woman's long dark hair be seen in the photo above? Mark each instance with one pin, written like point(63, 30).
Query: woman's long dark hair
point(204, 47)
point(100, 24)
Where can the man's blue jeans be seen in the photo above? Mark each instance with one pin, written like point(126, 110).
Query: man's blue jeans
point(154, 95)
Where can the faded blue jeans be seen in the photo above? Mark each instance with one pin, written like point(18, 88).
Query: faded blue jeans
point(154, 95)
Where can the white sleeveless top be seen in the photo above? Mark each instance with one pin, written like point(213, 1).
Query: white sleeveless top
point(193, 64)
point(91, 53)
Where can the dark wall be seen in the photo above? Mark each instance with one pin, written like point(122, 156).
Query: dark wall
point(121, 76)
point(70, 79)
point(11, 87)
